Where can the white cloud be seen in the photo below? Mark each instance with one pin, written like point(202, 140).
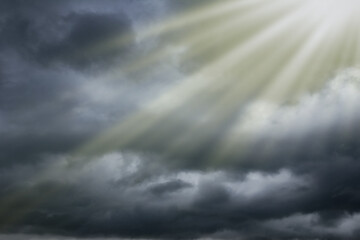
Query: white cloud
point(335, 105)
point(258, 184)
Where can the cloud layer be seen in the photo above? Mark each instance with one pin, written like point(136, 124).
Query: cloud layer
point(287, 171)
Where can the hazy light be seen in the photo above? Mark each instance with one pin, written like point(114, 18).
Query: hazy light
point(276, 51)
point(336, 12)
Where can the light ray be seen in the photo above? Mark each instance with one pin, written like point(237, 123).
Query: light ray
point(201, 14)
point(267, 71)
point(202, 110)
point(186, 90)
point(199, 42)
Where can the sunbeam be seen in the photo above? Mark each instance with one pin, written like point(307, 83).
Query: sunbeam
point(220, 87)
point(248, 70)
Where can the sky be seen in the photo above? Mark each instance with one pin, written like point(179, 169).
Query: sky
point(166, 119)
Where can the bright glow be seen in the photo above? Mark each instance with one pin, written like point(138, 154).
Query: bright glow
point(273, 51)
point(333, 11)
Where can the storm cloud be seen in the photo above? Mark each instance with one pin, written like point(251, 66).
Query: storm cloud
point(269, 170)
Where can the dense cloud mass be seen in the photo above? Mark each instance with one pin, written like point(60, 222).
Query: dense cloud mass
point(287, 171)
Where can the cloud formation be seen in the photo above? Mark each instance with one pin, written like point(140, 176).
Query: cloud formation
point(282, 171)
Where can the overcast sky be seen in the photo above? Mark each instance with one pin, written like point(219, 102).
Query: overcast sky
point(90, 149)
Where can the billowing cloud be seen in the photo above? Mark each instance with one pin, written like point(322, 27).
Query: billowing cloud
point(184, 165)
point(312, 225)
point(119, 194)
point(53, 96)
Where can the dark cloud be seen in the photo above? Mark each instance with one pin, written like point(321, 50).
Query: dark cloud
point(65, 36)
point(296, 175)
point(55, 89)
point(168, 187)
point(181, 204)
point(88, 31)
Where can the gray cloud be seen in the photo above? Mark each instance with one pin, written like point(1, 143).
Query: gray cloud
point(294, 176)
point(123, 194)
point(53, 95)
point(63, 35)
